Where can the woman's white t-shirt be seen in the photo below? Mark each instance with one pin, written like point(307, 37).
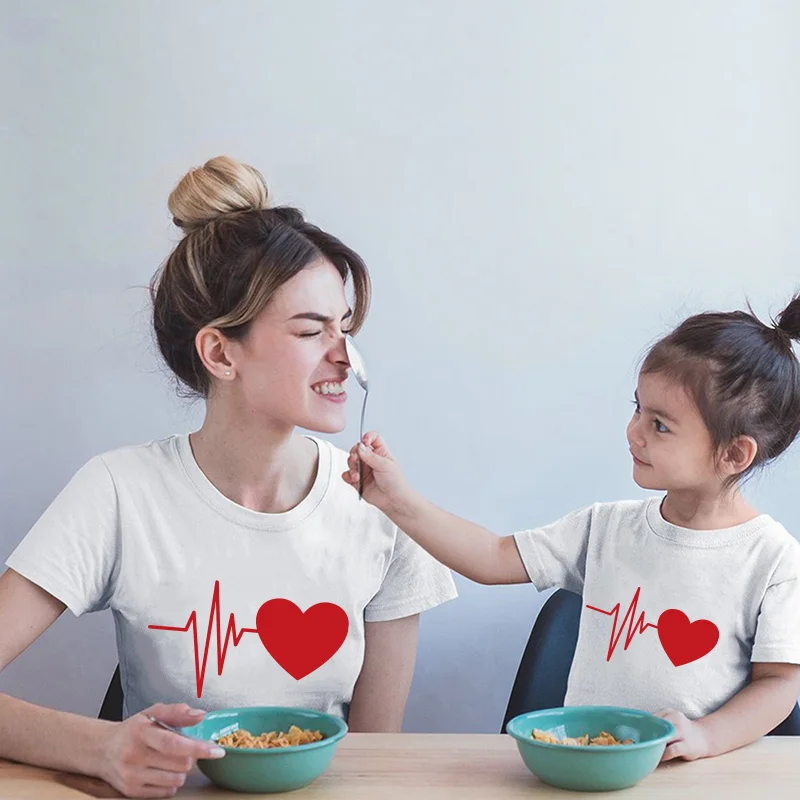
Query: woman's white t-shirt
point(216, 605)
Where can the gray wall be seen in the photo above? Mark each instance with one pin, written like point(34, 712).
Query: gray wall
point(540, 189)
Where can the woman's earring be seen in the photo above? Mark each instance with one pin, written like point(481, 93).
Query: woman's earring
point(227, 372)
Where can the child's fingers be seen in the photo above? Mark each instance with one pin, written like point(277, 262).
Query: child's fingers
point(376, 442)
point(352, 457)
point(347, 477)
point(676, 718)
point(354, 461)
point(675, 750)
point(370, 456)
point(669, 714)
point(353, 465)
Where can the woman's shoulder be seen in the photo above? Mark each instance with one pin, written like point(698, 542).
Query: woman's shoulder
point(145, 458)
point(343, 497)
point(336, 454)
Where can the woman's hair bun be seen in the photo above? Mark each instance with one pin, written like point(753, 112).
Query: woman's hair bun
point(222, 185)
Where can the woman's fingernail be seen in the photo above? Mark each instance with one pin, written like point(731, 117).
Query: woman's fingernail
point(196, 712)
point(216, 752)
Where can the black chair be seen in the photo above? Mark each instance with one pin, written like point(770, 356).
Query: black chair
point(111, 709)
point(112, 703)
point(541, 680)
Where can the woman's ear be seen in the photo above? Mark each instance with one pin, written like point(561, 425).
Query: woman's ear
point(213, 348)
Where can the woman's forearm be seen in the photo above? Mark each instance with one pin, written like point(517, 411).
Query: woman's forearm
point(381, 691)
point(45, 737)
point(747, 716)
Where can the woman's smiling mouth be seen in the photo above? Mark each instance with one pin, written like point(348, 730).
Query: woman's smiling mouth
point(331, 390)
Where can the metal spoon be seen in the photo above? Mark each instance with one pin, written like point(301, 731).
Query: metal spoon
point(175, 730)
point(360, 371)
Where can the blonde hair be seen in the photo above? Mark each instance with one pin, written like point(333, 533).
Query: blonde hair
point(236, 252)
point(221, 186)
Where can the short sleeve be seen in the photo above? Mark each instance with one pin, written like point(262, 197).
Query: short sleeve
point(778, 629)
point(72, 549)
point(414, 582)
point(555, 555)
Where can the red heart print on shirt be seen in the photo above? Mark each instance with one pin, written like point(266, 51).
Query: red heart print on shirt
point(685, 641)
point(301, 642)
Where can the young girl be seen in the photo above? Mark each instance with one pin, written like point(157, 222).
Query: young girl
point(691, 600)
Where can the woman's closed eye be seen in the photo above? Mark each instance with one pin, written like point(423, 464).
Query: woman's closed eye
point(310, 334)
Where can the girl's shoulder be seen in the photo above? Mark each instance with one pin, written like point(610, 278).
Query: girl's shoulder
point(775, 536)
point(620, 511)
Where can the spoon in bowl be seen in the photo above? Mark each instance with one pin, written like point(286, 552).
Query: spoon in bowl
point(175, 730)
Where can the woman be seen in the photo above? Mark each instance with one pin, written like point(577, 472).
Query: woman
point(239, 568)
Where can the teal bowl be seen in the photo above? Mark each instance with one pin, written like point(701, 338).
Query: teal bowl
point(591, 768)
point(276, 769)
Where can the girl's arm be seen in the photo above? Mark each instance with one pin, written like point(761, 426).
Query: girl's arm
point(381, 691)
point(469, 549)
point(750, 714)
point(463, 546)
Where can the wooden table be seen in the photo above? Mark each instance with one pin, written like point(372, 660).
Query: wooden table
point(461, 767)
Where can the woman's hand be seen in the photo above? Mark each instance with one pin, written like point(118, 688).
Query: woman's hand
point(690, 741)
point(384, 484)
point(143, 760)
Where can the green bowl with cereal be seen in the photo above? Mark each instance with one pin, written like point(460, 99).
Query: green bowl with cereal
point(257, 758)
point(591, 748)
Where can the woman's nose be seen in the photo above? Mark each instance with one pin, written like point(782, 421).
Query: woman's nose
point(338, 352)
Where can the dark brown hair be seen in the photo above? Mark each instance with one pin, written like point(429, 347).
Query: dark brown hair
point(236, 253)
point(742, 374)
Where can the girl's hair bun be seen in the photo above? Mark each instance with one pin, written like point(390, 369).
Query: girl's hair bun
point(788, 320)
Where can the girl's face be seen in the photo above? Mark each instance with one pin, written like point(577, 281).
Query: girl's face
point(292, 365)
point(671, 447)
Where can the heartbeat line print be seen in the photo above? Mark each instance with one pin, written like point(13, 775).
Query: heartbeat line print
point(640, 626)
point(222, 647)
point(683, 641)
point(299, 641)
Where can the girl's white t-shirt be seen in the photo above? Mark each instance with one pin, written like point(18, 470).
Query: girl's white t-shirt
point(671, 618)
point(216, 605)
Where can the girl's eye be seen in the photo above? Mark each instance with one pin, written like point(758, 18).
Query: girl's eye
point(660, 426)
point(637, 408)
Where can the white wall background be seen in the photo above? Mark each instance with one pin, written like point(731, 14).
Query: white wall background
point(539, 188)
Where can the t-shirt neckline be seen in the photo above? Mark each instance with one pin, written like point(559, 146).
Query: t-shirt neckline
point(687, 537)
point(246, 516)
